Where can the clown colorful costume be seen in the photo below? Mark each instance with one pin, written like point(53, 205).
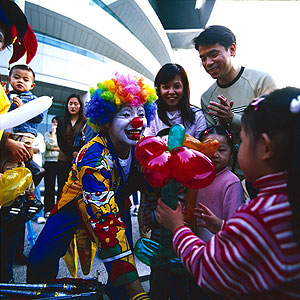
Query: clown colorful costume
point(104, 174)
point(96, 186)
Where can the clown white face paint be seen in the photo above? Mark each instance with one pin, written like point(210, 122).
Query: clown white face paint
point(122, 132)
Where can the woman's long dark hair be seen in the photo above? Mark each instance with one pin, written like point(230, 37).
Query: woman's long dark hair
point(67, 116)
point(165, 75)
point(274, 115)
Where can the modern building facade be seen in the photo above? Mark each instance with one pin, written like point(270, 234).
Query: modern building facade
point(83, 42)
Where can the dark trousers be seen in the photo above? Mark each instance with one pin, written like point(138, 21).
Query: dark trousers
point(51, 174)
point(64, 168)
point(20, 245)
point(53, 242)
point(9, 236)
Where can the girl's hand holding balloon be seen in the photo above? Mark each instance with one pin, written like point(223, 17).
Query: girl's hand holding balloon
point(207, 219)
point(169, 218)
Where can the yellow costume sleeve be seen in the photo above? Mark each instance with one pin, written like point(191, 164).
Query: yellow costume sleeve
point(4, 104)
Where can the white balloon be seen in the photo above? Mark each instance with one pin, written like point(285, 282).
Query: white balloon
point(25, 112)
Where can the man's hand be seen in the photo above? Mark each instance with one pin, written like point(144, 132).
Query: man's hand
point(222, 110)
point(18, 151)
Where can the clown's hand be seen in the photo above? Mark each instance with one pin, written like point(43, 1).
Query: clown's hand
point(207, 218)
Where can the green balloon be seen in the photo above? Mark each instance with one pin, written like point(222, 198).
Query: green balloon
point(176, 136)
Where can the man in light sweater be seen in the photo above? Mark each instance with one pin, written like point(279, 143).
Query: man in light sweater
point(235, 87)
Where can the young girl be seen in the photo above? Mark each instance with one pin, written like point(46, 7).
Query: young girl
point(257, 252)
point(225, 194)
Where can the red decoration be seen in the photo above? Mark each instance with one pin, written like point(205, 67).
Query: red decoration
point(158, 169)
point(137, 122)
point(189, 167)
point(149, 146)
point(194, 169)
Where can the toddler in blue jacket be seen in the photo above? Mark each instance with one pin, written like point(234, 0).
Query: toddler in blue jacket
point(21, 78)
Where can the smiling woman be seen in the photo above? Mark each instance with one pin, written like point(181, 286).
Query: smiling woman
point(173, 104)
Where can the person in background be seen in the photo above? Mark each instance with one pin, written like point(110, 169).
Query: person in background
point(225, 101)
point(256, 253)
point(67, 129)
point(223, 196)
point(173, 107)
point(50, 165)
point(38, 147)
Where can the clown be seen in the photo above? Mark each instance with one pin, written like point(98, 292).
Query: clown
point(104, 174)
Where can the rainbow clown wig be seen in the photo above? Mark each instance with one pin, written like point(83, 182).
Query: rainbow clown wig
point(112, 94)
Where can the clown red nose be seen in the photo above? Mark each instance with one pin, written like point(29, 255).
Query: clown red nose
point(137, 122)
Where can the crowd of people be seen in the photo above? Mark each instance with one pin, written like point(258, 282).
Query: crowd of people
point(245, 238)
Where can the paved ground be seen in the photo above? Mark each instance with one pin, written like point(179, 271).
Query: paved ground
point(97, 268)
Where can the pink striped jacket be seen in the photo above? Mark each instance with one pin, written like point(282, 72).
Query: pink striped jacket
point(255, 255)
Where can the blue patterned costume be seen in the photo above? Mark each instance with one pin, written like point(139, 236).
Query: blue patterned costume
point(98, 187)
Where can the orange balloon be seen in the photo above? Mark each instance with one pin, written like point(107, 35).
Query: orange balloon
point(209, 147)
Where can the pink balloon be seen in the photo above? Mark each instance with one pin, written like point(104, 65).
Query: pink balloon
point(148, 147)
point(192, 168)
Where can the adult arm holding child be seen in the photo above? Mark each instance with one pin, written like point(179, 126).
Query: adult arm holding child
point(18, 151)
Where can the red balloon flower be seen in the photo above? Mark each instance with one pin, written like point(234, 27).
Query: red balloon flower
point(189, 167)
